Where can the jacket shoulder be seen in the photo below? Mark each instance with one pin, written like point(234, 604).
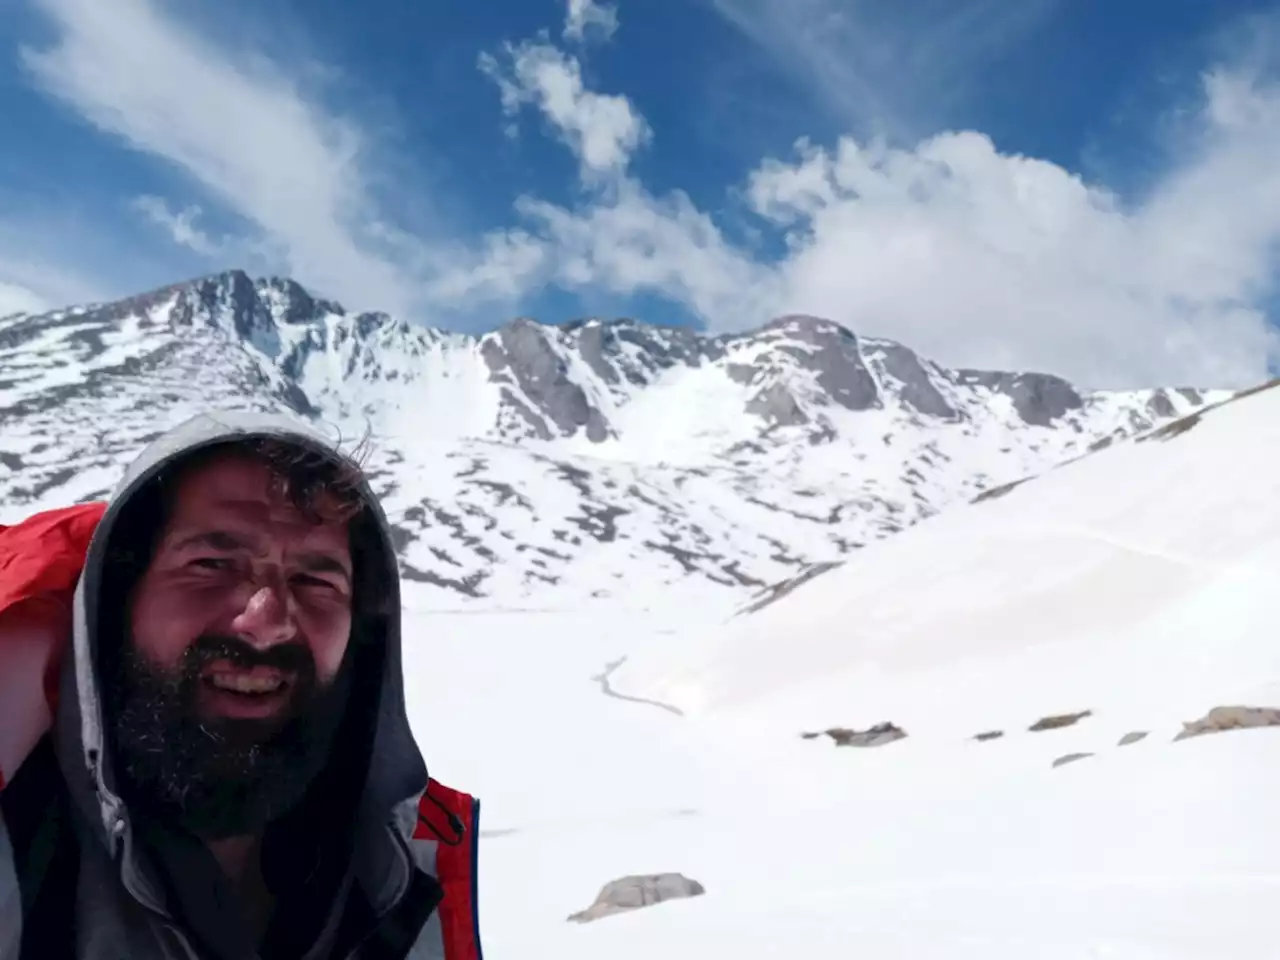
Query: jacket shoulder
point(45, 553)
point(448, 823)
point(40, 563)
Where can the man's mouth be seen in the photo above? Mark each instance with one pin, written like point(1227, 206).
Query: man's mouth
point(258, 691)
point(247, 682)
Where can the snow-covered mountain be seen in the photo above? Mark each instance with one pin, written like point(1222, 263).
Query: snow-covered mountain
point(1132, 592)
point(588, 458)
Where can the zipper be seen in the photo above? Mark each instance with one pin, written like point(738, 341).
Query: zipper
point(160, 917)
point(420, 887)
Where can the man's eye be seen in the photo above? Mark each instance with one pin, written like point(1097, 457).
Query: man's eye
point(212, 563)
point(306, 580)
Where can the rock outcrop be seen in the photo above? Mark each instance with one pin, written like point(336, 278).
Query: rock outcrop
point(636, 892)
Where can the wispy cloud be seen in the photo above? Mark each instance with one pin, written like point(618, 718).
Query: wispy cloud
point(35, 275)
point(243, 129)
point(180, 225)
point(629, 241)
point(884, 68)
point(16, 299)
point(974, 257)
point(584, 17)
point(603, 131)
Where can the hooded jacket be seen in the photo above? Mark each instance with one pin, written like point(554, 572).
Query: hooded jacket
point(384, 864)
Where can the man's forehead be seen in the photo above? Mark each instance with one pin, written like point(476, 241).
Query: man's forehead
point(235, 484)
point(234, 474)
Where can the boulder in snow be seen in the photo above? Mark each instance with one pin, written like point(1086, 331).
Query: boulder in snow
point(1070, 758)
point(876, 736)
point(633, 893)
point(1220, 719)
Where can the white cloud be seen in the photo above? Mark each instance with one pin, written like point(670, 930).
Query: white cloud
point(884, 67)
point(244, 131)
point(504, 268)
point(631, 241)
point(978, 258)
point(981, 258)
point(32, 283)
point(583, 15)
point(16, 299)
point(603, 131)
point(180, 225)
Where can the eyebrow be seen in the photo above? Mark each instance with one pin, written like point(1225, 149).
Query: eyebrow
point(323, 563)
point(221, 540)
point(216, 539)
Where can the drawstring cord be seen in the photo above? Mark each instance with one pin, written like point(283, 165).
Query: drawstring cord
point(455, 823)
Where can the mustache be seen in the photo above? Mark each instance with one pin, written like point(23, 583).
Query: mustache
point(293, 658)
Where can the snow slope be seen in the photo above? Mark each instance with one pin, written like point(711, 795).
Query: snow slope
point(554, 462)
point(1137, 583)
point(1148, 555)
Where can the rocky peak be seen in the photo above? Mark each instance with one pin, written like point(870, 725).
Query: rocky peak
point(536, 382)
point(1039, 398)
point(798, 364)
point(918, 385)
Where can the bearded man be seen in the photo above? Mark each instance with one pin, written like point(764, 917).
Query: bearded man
point(225, 769)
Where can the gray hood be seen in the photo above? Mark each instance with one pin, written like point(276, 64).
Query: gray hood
point(396, 772)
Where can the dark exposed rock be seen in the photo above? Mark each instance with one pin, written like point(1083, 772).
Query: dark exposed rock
point(996, 492)
point(776, 405)
point(1161, 406)
point(1101, 444)
point(1058, 721)
point(834, 358)
point(1171, 430)
point(592, 345)
point(468, 586)
point(779, 590)
point(915, 387)
point(1039, 398)
point(1070, 758)
point(521, 347)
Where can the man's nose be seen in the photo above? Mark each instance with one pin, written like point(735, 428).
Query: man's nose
point(266, 619)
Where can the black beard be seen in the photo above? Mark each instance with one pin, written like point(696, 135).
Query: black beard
point(220, 777)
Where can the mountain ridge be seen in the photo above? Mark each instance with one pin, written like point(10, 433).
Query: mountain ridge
point(575, 459)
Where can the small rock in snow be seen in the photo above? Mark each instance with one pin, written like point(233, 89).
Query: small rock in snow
point(876, 736)
point(1220, 719)
point(1058, 721)
point(633, 893)
point(1070, 758)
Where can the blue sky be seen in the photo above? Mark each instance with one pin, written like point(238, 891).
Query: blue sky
point(1075, 185)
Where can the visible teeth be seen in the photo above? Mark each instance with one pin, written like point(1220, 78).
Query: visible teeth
point(241, 683)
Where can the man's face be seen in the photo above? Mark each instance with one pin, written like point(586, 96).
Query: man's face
point(237, 633)
point(234, 563)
